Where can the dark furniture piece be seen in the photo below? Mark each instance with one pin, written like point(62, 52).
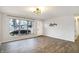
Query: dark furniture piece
point(20, 31)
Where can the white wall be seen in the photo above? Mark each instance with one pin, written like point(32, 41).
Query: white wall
point(1, 33)
point(64, 29)
point(0, 28)
point(39, 27)
point(5, 29)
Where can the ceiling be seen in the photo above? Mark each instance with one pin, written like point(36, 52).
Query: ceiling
point(48, 12)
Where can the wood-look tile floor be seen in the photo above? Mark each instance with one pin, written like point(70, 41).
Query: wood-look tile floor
point(41, 44)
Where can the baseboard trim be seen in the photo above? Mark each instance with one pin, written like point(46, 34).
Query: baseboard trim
point(20, 39)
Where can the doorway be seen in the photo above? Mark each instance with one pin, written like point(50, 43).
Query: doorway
point(77, 29)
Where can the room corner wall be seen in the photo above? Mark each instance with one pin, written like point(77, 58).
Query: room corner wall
point(64, 30)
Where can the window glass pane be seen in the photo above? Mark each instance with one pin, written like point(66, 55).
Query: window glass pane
point(14, 26)
point(11, 28)
point(17, 26)
point(23, 25)
point(29, 24)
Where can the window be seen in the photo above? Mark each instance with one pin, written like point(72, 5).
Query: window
point(20, 27)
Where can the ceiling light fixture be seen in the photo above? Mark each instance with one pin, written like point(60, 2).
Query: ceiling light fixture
point(37, 11)
point(52, 24)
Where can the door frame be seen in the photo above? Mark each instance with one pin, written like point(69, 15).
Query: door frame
point(76, 27)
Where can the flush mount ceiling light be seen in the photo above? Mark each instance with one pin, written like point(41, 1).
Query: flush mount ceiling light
point(37, 11)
